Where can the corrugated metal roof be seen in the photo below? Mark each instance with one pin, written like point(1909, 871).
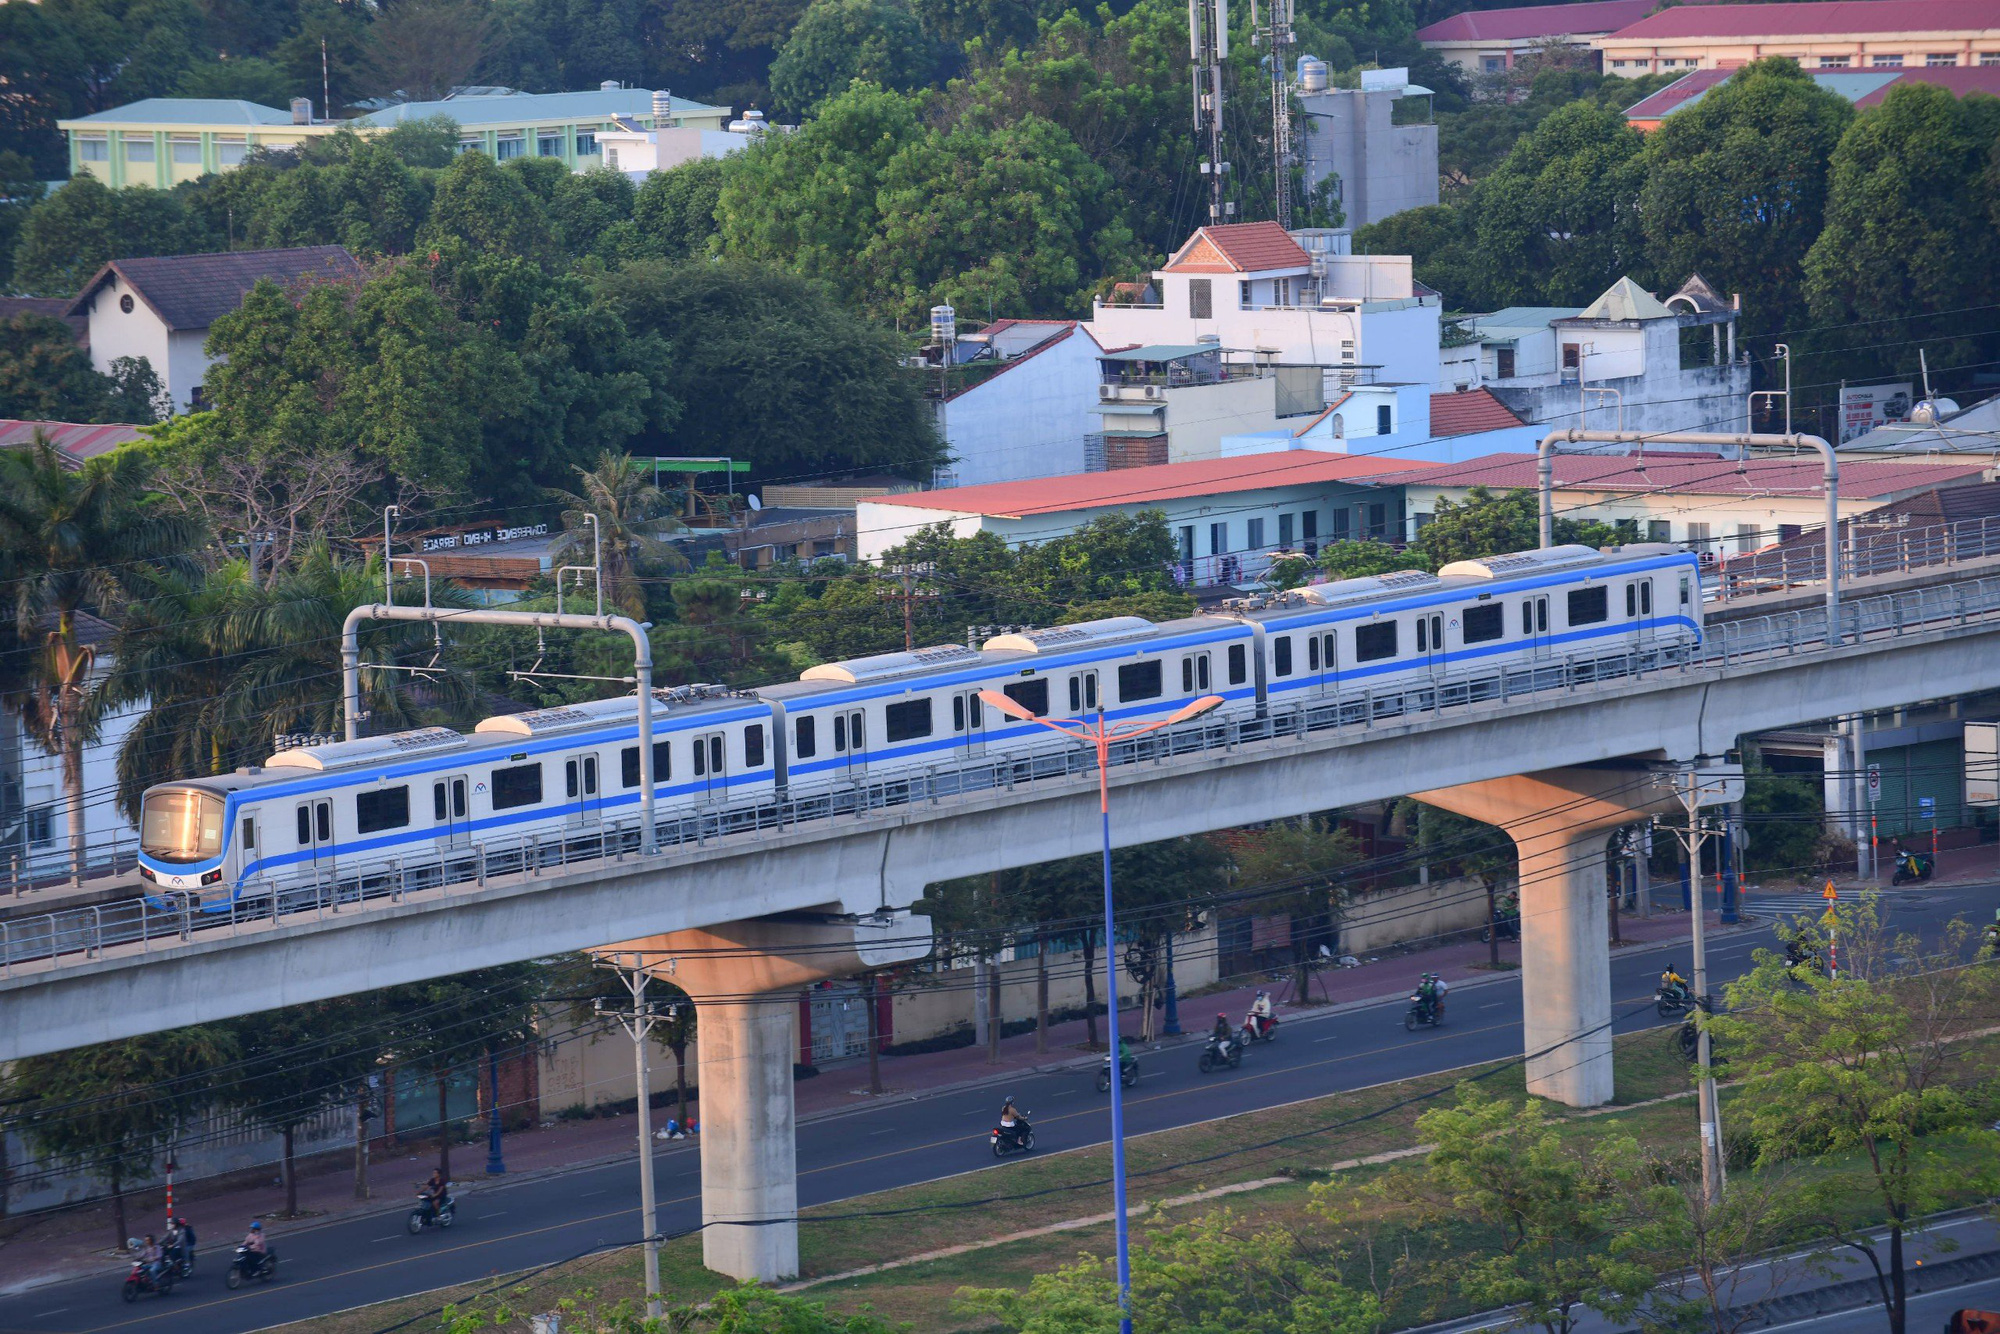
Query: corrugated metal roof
point(1533, 21)
point(193, 291)
point(1161, 352)
point(525, 108)
point(1812, 18)
point(1159, 482)
point(1709, 476)
point(187, 111)
point(77, 440)
point(1863, 87)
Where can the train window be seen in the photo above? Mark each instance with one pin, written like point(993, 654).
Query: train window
point(249, 833)
point(1484, 623)
point(715, 750)
point(1144, 680)
point(387, 809)
point(1423, 635)
point(839, 733)
point(1684, 590)
point(1373, 642)
point(1281, 656)
point(1083, 691)
point(907, 720)
point(437, 801)
point(708, 755)
point(958, 713)
point(753, 746)
point(587, 765)
point(806, 736)
point(518, 786)
point(323, 820)
point(1587, 606)
point(1631, 599)
point(569, 778)
point(977, 713)
point(1646, 598)
point(1239, 665)
point(1201, 672)
point(305, 826)
point(663, 765)
point(1326, 651)
point(1527, 618)
point(1030, 695)
point(1312, 653)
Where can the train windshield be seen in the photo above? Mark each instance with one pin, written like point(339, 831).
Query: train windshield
point(181, 826)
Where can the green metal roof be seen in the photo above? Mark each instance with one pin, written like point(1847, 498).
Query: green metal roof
point(529, 108)
point(190, 111)
point(1162, 352)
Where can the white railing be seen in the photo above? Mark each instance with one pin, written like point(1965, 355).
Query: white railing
point(61, 938)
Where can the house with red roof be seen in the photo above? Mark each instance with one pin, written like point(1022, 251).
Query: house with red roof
point(1299, 298)
point(1491, 41)
point(1819, 34)
point(1229, 517)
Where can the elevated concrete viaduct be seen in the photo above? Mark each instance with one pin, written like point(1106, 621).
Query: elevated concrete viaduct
point(1592, 752)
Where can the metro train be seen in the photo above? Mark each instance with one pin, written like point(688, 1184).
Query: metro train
point(318, 812)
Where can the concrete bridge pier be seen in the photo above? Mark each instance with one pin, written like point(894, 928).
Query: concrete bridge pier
point(745, 979)
point(1559, 820)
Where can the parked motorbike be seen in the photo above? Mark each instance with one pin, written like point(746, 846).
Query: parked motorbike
point(1507, 921)
point(1128, 1074)
point(1214, 1055)
point(141, 1280)
point(1911, 865)
point(248, 1265)
point(1424, 1012)
point(1258, 1029)
point(1017, 1138)
point(431, 1213)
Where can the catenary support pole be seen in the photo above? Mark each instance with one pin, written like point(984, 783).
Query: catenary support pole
point(642, 657)
point(1709, 1110)
point(1829, 477)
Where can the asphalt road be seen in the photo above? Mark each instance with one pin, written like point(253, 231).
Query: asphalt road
point(504, 1228)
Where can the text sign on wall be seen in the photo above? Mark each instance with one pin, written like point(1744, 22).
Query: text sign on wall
point(479, 537)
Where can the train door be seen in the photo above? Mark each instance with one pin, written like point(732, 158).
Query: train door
point(581, 791)
point(315, 831)
point(449, 814)
point(1535, 625)
point(711, 767)
point(1321, 660)
point(1197, 674)
point(968, 723)
point(1083, 694)
point(1430, 641)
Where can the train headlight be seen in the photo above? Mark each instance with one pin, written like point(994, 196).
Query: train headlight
point(146, 873)
point(210, 877)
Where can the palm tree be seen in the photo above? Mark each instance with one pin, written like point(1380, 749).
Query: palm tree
point(80, 542)
point(633, 519)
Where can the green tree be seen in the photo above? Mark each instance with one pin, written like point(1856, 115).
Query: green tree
point(249, 78)
point(45, 376)
point(481, 206)
point(452, 1023)
point(296, 1063)
point(82, 542)
point(1484, 524)
point(1870, 1071)
point(108, 1110)
point(1476, 848)
point(20, 190)
point(1736, 187)
point(75, 231)
point(840, 42)
point(618, 514)
point(1907, 205)
point(674, 210)
point(1295, 866)
point(1349, 559)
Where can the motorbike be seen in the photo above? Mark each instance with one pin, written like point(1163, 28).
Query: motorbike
point(1254, 1030)
point(1424, 1011)
point(1671, 999)
point(1990, 940)
point(1213, 1055)
point(1912, 866)
point(248, 1265)
point(1017, 1138)
point(1507, 922)
point(139, 1280)
point(430, 1213)
point(1799, 962)
point(180, 1260)
point(1128, 1073)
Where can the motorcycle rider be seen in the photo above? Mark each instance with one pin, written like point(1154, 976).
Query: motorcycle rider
point(1260, 1013)
point(433, 1193)
point(150, 1259)
point(173, 1242)
point(1220, 1035)
point(259, 1250)
point(1430, 994)
point(1672, 984)
point(1012, 1118)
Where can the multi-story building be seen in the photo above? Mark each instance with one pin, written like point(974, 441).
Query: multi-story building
point(1377, 143)
point(1819, 34)
point(163, 141)
point(1493, 41)
point(1018, 402)
point(1175, 404)
point(1863, 87)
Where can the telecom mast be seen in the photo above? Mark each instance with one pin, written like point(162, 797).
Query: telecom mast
point(1208, 45)
point(1275, 36)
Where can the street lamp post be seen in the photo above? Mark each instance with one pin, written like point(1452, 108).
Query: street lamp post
point(1101, 738)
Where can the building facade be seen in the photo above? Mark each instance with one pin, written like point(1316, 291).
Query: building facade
point(1493, 41)
point(162, 141)
point(1819, 34)
point(1019, 403)
point(1377, 142)
point(1177, 404)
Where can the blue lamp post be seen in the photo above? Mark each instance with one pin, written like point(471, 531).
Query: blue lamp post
point(1101, 737)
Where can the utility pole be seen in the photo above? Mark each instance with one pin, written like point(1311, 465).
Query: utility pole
point(638, 1022)
point(1275, 36)
point(908, 575)
point(1712, 1170)
point(1208, 47)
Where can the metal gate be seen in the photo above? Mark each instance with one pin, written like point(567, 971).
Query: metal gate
point(839, 1022)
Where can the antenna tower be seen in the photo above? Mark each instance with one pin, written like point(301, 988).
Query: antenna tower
point(1208, 46)
point(1274, 33)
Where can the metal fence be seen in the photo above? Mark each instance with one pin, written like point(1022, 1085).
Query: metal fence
point(1863, 552)
point(57, 939)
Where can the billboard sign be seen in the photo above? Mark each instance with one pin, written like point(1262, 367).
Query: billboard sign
point(1863, 407)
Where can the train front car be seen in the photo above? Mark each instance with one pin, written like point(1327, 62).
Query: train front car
point(183, 841)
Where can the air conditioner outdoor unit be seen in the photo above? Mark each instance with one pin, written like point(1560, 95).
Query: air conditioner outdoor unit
point(1107, 393)
point(1156, 391)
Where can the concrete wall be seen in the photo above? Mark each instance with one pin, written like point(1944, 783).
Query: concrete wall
point(1383, 167)
point(1377, 919)
point(879, 527)
point(1028, 420)
point(1199, 415)
point(1657, 394)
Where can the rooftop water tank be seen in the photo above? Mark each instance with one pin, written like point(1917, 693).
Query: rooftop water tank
point(1312, 74)
point(663, 108)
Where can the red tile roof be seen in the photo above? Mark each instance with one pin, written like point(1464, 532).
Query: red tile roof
point(1814, 18)
point(1473, 410)
point(76, 440)
point(1959, 80)
point(1702, 476)
point(1537, 21)
point(1676, 94)
point(1241, 247)
point(1165, 481)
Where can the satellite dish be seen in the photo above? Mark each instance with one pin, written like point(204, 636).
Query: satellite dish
point(753, 502)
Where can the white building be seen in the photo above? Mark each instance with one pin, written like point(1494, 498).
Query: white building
point(1621, 362)
point(639, 150)
point(1292, 299)
point(1378, 142)
point(1020, 403)
point(1400, 421)
point(1229, 516)
point(160, 309)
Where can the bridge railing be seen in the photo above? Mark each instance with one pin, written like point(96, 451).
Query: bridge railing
point(1864, 551)
point(67, 937)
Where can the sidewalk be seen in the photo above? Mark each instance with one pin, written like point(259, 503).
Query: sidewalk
point(75, 1242)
